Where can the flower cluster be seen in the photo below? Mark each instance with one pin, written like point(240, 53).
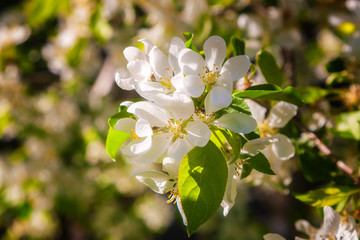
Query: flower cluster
point(183, 92)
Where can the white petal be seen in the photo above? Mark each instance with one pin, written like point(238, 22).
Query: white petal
point(125, 125)
point(257, 111)
point(147, 44)
point(283, 149)
point(159, 63)
point(126, 103)
point(159, 145)
point(215, 52)
point(149, 90)
point(134, 54)
point(178, 82)
point(273, 236)
point(156, 180)
point(332, 220)
point(194, 85)
point(181, 106)
point(303, 226)
point(140, 70)
point(176, 45)
point(238, 66)
point(254, 146)
point(141, 147)
point(171, 166)
point(237, 122)
point(230, 191)
point(143, 128)
point(179, 148)
point(198, 133)
point(280, 114)
point(225, 81)
point(217, 99)
point(191, 63)
point(181, 210)
point(124, 80)
point(155, 115)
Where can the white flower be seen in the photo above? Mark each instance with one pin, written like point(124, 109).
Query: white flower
point(279, 116)
point(163, 183)
point(151, 73)
point(211, 74)
point(176, 132)
point(334, 227)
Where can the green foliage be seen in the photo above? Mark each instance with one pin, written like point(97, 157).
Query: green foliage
point(272, 92)
point(116, 138)
point(312, 94)
point(99, 26)
point(40, 11)
point(348, 125)
point(269, 69)
point(261, 164)
point(237, 105)
point(336, 65)
point(202, 182)
point(328, 196)
point(238, 46)
point(189, 41)
point(74, 55)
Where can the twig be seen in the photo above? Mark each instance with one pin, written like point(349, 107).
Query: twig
point(327, 152)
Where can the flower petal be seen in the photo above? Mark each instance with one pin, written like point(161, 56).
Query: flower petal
point(257, 111)
point(237, 66)
point(198, 133)
point(253, 147)
point(237, 122)
point(143, 128)
point(155, 115)
point(194, 85)
point(181, 210)
point(171, 166)
point(136, 147)
point(230, 191)
point(179, 148)
point(125, 125)
point(124, 80)
point(134, 54)
point(176, 45)
point(147, 44)
point(332, 221)
point(149, 90)
point(283, 149)
point(159, 145)
point(215, 52)
point(141, 70)
point(159, 63)
point(156, 180)
point(280, 114)
point(217, 99)
point(191, 63)
point(225, 81)
point(273, 236)
point(178, 83)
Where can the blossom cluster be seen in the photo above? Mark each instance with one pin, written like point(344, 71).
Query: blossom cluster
point(184, 93)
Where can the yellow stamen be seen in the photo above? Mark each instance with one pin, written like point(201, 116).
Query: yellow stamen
point(133, 135)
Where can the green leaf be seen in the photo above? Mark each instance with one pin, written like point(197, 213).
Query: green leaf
point(202, 181)
point(114, 118)
point(189, 38)
point(246, 170)
point(39, 11)
point(238, 46)
point(237, 105)
point(74, 55)
point(269, 69)
point(348, 125)
point(114, 140)
point(100, 26)
point(272, 92)
point(261, 164)
point(326, 196)
point(336, 65)
point(312, 94)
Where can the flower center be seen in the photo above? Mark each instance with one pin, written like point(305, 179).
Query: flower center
point(210, 77)
point(266, 130)
point(173, 196)
point(133, 135)
point(177, 129)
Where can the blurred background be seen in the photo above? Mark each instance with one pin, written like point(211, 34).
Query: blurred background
point(57, 90)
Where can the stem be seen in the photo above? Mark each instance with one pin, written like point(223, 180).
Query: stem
point(327, 152)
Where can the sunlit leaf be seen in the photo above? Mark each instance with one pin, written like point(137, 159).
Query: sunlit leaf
point(348, 125)
point(261, 164)
point(202, 181)
point(269, 69)
point(238, 46)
